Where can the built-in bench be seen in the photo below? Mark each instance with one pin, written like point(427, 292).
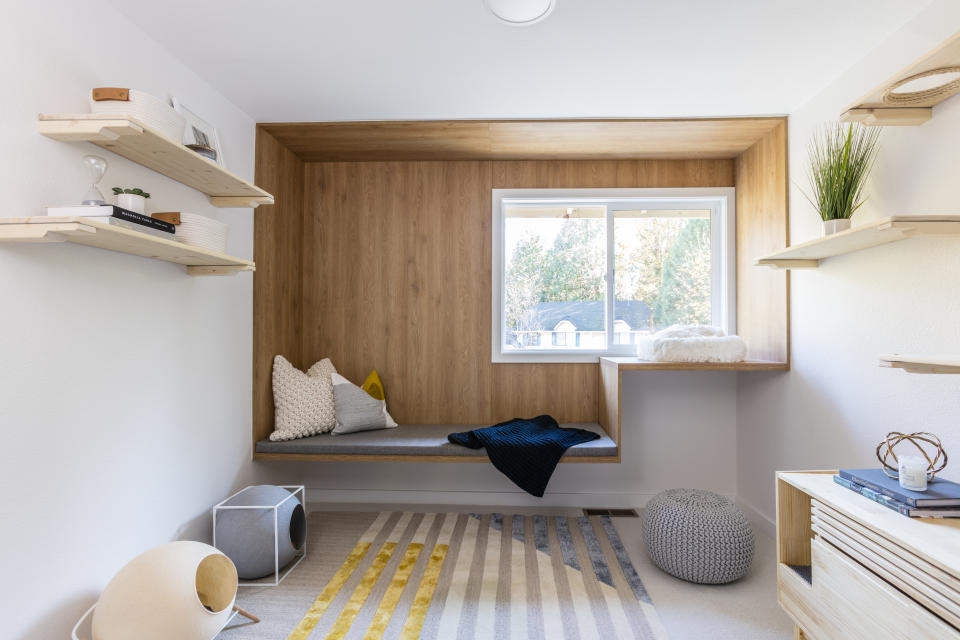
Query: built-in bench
point(416, 442)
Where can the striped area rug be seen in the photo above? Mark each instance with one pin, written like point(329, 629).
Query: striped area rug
point(455, 576)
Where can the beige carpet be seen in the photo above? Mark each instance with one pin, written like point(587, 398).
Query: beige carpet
point(448, 576)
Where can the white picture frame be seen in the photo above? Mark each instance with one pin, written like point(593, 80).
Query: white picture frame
point(199, 131)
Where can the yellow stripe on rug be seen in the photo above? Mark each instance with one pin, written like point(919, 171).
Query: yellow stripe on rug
point(329, 592)
point(388, 604)
point(421, 601)
point(428, 583)
point(360, 594)
point(390, 599)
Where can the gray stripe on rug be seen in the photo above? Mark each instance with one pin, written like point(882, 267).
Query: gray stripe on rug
point(535, 629)
point(566, 543)
point(629, 572)
point(471, 600)
point(432, 621)
point(598, 604)
point(517, 528)
point(631, 606)
point(501, 624)
point(540, 534)
point(595, 551)
point(568, 614)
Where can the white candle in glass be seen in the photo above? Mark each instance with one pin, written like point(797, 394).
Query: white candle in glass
point(913, 473)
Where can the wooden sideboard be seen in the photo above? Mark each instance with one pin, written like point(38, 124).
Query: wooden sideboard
point(849, 568)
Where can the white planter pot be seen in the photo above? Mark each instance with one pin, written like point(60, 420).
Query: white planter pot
point(132, 202)
point(834, 226)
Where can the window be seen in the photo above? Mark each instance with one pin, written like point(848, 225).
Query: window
point(581, 273)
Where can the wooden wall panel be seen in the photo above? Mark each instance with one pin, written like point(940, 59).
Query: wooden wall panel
point(763, 294)
point(278, 253)
point(397, 276)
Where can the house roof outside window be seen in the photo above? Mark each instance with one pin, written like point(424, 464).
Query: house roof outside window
point(588, 315)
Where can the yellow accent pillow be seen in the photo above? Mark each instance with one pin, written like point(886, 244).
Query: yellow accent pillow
point(373, 386)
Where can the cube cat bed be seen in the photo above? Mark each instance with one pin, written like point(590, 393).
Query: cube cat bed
point(183, 590)
point(256, 543)
point(698, 536)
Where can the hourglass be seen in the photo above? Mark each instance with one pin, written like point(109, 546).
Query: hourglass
point(96, 167)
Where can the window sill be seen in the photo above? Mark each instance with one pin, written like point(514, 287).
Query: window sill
point(554, 356)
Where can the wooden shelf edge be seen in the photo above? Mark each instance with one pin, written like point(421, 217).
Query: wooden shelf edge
point(888, 116)
point(205, 270)
point(915, 363)
point(157, 152)
point(787, 264)
point(44, 229)
point(239, 202)
point(809, 255)
point(634, 364)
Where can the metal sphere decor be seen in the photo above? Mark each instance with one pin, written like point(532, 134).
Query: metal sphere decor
point(935, 464)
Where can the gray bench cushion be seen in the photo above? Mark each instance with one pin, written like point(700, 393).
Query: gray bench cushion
point(419, 440)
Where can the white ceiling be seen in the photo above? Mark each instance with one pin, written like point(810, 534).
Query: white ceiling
point(312, 60)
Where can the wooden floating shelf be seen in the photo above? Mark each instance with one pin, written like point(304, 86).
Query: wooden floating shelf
point(635, 364)
point(917, 363)
point(130, 138)
point(873, 110)
point(809, 254)
point(198, 261)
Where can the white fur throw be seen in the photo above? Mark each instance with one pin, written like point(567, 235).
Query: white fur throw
point(691, 343)
point(304, 401)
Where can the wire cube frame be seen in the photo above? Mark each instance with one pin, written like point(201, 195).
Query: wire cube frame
point(278, 574)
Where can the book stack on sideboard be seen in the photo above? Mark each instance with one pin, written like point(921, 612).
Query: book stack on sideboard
point(940, 500)
point(855, 569)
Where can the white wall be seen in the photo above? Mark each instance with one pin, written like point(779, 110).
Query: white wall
point(679, 429)
point(836, 404)
point(125, 384)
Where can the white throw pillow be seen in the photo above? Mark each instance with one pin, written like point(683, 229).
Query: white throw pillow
point(304, 404)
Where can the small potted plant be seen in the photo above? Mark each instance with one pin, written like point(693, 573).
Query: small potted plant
point(841, 157)
point(132, 199)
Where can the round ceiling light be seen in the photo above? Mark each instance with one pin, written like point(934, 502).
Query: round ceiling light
point(520, 12)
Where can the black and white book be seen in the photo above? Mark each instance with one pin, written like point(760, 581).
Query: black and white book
point(132, 226)
point(108, 211)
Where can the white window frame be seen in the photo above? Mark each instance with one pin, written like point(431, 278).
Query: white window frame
point(721, 202)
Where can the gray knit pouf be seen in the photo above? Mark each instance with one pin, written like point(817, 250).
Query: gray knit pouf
point(698, 536)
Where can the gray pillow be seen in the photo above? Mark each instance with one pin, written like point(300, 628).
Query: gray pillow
point(357, 410)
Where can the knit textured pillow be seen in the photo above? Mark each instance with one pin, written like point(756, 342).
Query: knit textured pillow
point(303, 401)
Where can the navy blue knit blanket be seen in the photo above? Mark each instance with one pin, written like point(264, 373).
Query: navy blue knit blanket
point(526, 451)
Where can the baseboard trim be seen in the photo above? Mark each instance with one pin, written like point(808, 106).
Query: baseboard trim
point(757, 518)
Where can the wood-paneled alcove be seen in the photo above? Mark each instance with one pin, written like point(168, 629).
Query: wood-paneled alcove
point(377, 252)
